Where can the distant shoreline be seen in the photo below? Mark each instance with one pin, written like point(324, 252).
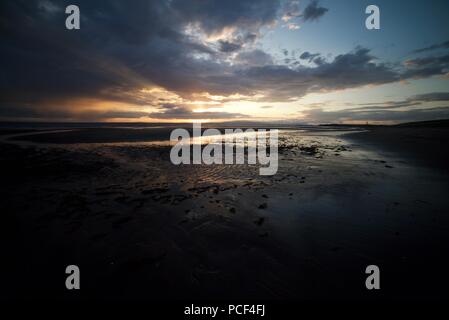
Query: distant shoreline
point(423, 142)
point(4, 125)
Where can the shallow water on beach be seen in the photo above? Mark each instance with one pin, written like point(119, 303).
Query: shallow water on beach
point(127, 212)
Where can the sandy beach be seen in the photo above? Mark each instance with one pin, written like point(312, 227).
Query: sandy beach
point(140, 227)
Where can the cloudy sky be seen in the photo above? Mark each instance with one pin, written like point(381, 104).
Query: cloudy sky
point(193, 60)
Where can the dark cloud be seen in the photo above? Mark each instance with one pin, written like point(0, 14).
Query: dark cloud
point(313, 11)
point(291, 10)
point(413, 108)
point(319, 61)
point(422, 114)
point(16, 112)
point(409, 102)
point(119, 49)
point(122, 48)
point(24, 111)
point(237, 43)
point(308, 56)
point(312, 57)
point(426, 67)
point(433, 96)
point(227, 46)
point(254, 58)
point(428, 61)
point(182, 112)
point(215, 15)
point(280, 83)
point(443, 45)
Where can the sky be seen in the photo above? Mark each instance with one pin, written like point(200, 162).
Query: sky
point(303, 61)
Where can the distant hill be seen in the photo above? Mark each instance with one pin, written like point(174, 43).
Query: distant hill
point(433, 123)
point(341, 125)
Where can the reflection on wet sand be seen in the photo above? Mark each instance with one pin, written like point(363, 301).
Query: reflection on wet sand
point(146, 228)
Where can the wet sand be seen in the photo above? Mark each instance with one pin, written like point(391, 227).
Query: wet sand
point(140, 227)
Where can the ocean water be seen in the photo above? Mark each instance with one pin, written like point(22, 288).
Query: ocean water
point(74, 133)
